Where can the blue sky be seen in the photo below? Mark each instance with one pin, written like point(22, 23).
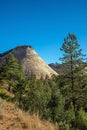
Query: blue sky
point(43, 24)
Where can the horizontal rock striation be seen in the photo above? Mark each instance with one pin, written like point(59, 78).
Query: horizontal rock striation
point(31, 62)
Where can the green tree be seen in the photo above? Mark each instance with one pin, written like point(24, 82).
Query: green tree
point(56, 106)
point(19, 91)
point(73, 77)
point(38, 94)
point(81, 120)
point(11, 71)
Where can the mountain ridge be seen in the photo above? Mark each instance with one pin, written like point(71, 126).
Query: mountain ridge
point(31, 62)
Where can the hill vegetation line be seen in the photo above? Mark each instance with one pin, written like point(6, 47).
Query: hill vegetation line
point(61, 99)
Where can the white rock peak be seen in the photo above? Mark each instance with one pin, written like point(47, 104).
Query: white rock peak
point(31, 62)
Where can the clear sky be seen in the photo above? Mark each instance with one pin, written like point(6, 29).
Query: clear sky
point(42, 24)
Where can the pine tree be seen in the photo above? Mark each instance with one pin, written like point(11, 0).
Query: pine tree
point(11, 71)
point(74, 76)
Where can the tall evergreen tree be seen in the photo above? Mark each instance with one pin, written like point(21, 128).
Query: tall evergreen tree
point(74, 76)
point(11, 71)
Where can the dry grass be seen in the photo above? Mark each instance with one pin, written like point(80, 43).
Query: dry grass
point(34, 122)
point(1, 109)
point(13, 118)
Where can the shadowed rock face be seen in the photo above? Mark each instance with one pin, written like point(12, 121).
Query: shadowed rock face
point(30, 61)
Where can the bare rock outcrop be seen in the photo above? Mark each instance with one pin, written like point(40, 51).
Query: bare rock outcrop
point(31, 62)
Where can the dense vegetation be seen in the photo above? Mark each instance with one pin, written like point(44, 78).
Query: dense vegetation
point(62, 98)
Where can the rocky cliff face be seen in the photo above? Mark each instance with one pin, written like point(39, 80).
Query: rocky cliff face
point(30, 61)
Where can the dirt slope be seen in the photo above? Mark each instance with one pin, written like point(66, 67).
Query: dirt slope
point(12, 118)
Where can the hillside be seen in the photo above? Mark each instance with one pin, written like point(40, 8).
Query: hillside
point(31, 62)
point(58, 68)
point(12, 118)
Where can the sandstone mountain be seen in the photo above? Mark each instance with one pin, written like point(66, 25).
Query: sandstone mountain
point(31, 62)
point(61, 68)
